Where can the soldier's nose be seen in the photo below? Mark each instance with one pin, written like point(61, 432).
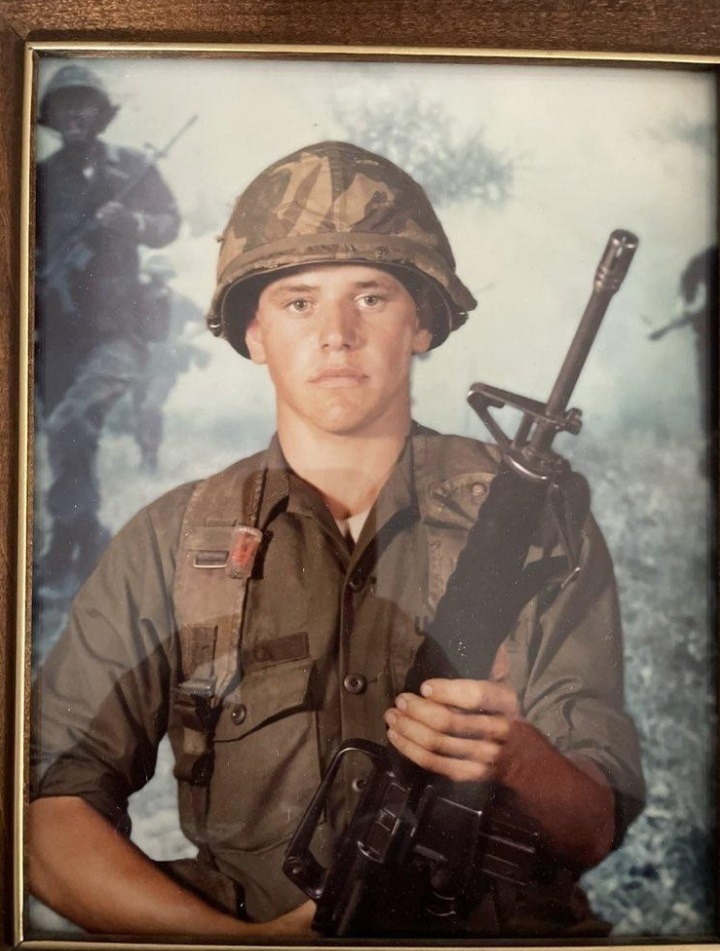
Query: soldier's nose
point(338, 329)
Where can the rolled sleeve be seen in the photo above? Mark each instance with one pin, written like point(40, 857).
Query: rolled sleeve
point(101, 698)
point(568, 662)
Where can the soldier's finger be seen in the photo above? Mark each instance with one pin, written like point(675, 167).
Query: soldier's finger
point(473, 695)
point(459, 770)
point(480, 749)
point(452, 721)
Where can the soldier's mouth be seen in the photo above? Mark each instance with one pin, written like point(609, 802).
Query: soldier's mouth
point(338, 377)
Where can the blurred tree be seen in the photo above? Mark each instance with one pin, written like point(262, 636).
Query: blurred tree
point(421, 138)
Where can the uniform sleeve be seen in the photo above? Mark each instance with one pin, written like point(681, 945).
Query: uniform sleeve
point(566, 658)
point(101, 698)
point(158, 213)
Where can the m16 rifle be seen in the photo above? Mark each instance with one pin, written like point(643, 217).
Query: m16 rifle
point(415, 854)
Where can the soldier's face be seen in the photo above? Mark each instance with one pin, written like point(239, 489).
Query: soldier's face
point(75, 115)
point(338, 341)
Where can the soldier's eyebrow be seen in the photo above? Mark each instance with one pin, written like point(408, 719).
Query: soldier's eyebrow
point(373, 284)
point(283, 287)
point(292, 287)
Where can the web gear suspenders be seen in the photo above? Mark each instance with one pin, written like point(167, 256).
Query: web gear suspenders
point(218, 543)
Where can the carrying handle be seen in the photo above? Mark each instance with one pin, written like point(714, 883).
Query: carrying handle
point(299, 864)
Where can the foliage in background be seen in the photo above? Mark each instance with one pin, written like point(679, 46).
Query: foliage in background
point(422, 137)
point(655, 510)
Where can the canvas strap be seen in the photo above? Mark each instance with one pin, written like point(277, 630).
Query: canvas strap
point(218, 543)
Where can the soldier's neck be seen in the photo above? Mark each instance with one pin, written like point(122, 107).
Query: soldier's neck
point(347, 470)
point(81, 153)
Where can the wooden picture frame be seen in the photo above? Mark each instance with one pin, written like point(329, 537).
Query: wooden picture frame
point(689, 51)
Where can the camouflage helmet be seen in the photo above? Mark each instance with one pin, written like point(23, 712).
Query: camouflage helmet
point(334, 203)
point(73, 76)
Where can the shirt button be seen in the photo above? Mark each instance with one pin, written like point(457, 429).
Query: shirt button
point(238, 713)
point(355, 683)
point(356, 581)
point(478, 489)
point(358, 784)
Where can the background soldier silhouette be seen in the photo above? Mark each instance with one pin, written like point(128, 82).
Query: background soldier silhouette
point(698, 289)
point(96, 204)
point(171, 352)
point(699, 310)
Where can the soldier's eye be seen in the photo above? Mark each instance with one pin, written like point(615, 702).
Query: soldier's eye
point(299, 306)
point(371, 300)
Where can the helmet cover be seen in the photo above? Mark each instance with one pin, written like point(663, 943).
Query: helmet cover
point(334, 203)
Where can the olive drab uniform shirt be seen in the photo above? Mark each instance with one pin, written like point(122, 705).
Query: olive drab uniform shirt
point(329, 634)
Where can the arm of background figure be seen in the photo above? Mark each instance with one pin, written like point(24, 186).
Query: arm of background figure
point(158, 214)
point(85, 870)
point(148, 213)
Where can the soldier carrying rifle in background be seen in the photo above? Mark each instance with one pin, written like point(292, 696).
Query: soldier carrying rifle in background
point(699, 310)
point(97, 203)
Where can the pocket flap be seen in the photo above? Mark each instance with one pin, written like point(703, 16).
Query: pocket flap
point(264, 695)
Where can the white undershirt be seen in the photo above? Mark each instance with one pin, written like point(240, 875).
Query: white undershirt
point(350, 528)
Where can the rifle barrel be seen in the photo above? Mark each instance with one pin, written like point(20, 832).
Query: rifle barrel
point(609, 275)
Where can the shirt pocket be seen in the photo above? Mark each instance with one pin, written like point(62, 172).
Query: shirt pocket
point(267, 763)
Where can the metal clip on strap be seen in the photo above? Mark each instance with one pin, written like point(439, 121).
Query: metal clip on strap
point(193, 701)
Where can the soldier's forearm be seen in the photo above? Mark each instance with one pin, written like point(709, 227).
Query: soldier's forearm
point(571, 800)
point(83, 869)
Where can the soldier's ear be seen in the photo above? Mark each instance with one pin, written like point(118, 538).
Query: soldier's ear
point(254, 342)
point(422, 340)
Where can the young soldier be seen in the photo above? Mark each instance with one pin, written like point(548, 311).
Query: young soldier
point(334, 272)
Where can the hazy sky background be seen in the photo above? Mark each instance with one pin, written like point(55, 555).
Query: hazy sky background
point(594, 148)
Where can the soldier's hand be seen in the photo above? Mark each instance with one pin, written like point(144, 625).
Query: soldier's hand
point(456, 728)
point(117, 218)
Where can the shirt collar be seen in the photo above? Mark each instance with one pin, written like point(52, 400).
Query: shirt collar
point(285, 489)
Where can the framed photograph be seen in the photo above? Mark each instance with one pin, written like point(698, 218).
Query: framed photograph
point(199, 639)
